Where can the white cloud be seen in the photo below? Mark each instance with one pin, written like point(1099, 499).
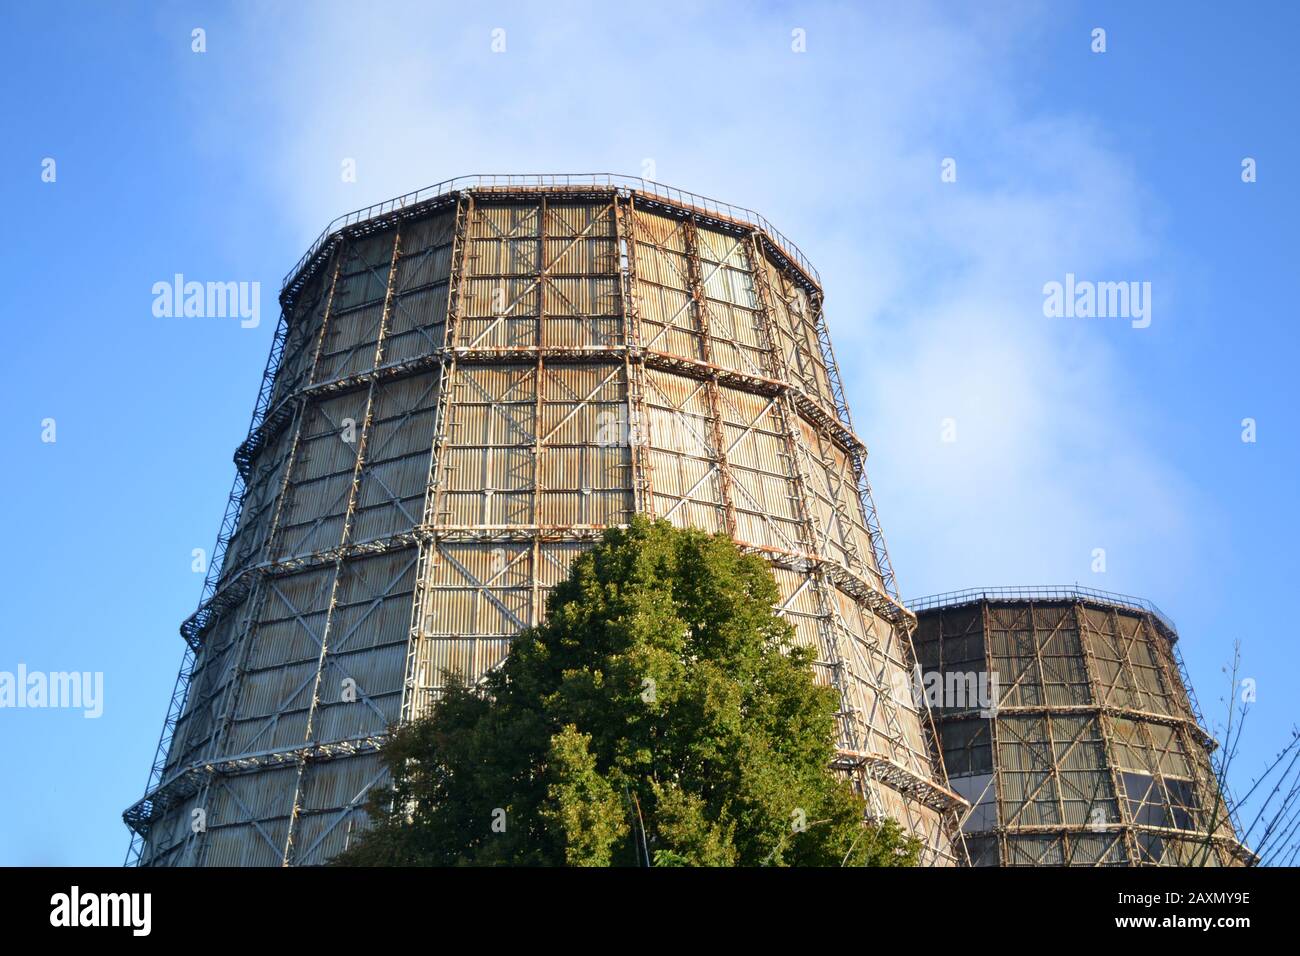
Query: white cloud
point(934, 290)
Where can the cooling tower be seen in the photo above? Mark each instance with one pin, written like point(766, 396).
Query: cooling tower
point(467, 386)
point(1066, 721)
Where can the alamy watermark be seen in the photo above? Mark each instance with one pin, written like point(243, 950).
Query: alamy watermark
point(1084, 299)
point(75, 908)
point(949, 690)
point(63, 690)
point(210, 300)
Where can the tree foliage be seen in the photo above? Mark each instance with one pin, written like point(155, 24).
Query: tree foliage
point(661, 715)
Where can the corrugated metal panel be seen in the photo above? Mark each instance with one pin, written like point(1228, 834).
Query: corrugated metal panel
point(505, 221)
point(585, 508)
point(499, 256)
point(580, 296)
point(662, 267)
point(690, 513)
point(677, 393)
point(662, 305)
point(584, 467)
point(468, 657)
point(718, 247)
point(424, 309)
point(1035, 851)
point(243, 846)
point(339, 783)
point(372, 713)
point(265, 693)
point(582, 256)
point(361, 287)
point(664, 231)
point(556, 561)
point(579, 219)
point(515, 327)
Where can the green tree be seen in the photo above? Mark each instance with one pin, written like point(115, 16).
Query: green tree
point(661, 715)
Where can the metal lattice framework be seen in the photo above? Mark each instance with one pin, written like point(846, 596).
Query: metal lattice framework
point(468, 386)
point(1088, 748)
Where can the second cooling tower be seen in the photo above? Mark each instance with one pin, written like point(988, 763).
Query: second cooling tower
point(1066, 723)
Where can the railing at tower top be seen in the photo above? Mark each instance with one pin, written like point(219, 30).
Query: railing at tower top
point(1066, 592)
point(557, 180)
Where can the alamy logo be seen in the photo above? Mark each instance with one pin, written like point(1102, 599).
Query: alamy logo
point(74, 909)
point(66, 690)
point(1083, 299)
point(956, 690)
point(211, 300)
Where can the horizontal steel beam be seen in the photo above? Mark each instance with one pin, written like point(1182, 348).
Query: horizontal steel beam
point(187, 781)
point(900, 778)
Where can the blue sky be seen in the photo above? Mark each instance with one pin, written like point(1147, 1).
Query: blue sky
point(1071, 434)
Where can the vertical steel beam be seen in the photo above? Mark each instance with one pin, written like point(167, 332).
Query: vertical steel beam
point(543, 283)
point(1000, 787)
point(1097, 692)
point(634, 370)
point(701, 308)
point(349, 516)
point(414, 700)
